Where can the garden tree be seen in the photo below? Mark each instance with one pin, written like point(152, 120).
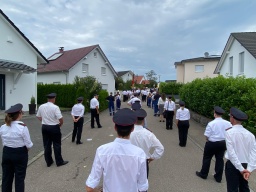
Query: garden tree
point(152, 78)
point(89, 85)
point(151, 75)
point(119, 83)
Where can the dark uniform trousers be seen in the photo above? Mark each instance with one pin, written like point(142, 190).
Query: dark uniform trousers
point(78, 128)
point(118, 104)
point(169, 119)
point(52, 136)
point(183, 132)
point(14, 162)
point(95, 115)
point(218, 149)
point(111, 108)
point(235, 180)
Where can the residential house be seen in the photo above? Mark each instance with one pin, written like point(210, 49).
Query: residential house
point(125, 75)
point(189, 69)
point(18, 63)
point(139, 79)
point(239, 56)
point(87, 61)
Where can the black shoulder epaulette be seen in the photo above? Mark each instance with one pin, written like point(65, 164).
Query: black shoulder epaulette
point(228, 128)
point(22, 124)
point(148, 129)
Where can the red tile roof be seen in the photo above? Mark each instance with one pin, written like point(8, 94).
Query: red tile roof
point(145, 82)
point(67, 60)
point(137, 79)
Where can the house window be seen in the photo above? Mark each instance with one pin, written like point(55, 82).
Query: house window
point(241, 63)
point(95, 54)
point(231, 66)
point(103, 71)
point(199, 68)
point(85, 68)
point(56, 82)
point(105, 86)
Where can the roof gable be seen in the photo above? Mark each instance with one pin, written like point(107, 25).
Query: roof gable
point(23, 36)
point(121, 73)
point(66, 60)
point(247, 40)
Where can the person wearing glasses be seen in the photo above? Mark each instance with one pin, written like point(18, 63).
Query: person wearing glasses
point(16, 143)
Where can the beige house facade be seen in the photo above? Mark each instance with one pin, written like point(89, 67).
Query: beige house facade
point(190, 69)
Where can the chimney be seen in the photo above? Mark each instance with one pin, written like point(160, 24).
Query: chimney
point(61, 49)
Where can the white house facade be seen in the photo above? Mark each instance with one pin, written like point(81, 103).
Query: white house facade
point(92, 62)
point(125, 75)
point(18, 63)
point(239, 56)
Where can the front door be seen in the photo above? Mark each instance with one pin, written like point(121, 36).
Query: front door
point(2, 93)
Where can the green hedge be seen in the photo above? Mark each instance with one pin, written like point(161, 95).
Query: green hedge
point(67, 95)
point(201, 95)
point(170, 88)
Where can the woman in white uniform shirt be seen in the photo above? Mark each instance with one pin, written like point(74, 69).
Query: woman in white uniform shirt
point(16, 143)
point(182, 121)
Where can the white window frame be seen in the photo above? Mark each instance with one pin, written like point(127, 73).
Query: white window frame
point(103, 71)
point(95, 54)
point(231, 66)
point(85, 68)
point(199, 68)
point(241, 63)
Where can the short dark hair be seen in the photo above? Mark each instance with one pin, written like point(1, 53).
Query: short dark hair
point(124, 131)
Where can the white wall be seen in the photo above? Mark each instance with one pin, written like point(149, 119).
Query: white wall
point(94, 69)
point(127, 77)
point(249, 61)
point(20, 51)
point(49, 78)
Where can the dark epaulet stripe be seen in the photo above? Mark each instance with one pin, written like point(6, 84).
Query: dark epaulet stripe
point(148, 129)
point(228, 128)
point(22, 124)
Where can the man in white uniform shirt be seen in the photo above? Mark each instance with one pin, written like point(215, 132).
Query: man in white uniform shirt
point(240, 154)
point(145, 139)
point(78, 118)
point(95, 111)
point(50, 116)
point(133, 100)
point(122, 164)
point(215, 145)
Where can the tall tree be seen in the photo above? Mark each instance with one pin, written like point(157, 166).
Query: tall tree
point(151, 75)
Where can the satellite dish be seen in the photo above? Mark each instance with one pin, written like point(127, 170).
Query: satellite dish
point(206, 54)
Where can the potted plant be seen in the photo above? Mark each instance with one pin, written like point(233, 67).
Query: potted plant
point(32, 105)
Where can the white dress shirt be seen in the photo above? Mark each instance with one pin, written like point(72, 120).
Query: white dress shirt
point(216, 129)
point(160, 101)
point(241, 147)
point(133, 100)
point(78, 110)
point(123, 166)
point(93, 103)
point(146, 140)
point(16, 135)
point(169, 105)
point(183, 115)
point(50, 113)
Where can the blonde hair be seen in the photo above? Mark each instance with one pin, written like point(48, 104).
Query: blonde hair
point(9, 117)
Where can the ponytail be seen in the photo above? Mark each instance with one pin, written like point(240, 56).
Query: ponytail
point(9, 117)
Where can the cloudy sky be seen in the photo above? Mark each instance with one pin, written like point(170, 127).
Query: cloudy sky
point(136, 35)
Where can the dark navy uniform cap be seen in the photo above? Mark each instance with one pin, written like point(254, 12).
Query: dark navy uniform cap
point(141, 114)
point(218, 110)
point(125, 117)
point(80, 99)
point(51, 95)
point(14, 108)
point(96, 94)
point(238, 114)
point(181, 103)
point(136, 106)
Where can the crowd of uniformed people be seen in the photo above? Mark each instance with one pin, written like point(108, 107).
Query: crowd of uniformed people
point(129, 155)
